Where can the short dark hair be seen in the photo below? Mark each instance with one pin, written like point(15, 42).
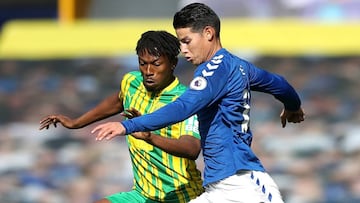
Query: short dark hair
point(158, 43)
point(197, 16)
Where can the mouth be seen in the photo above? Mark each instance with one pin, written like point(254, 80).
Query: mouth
point(149, 81)
point(188, 59)
point(150, 84)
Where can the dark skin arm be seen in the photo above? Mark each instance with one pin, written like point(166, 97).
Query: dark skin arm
point(108, 107)
point(186, 146)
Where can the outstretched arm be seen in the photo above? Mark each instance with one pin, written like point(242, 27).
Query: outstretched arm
point(186, 146)
point(279, 87)
point(108, 107)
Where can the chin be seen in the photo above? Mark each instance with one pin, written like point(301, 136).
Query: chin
point(150, 88)
point(196, 63)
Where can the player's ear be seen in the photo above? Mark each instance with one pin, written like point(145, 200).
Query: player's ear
point(209, 33)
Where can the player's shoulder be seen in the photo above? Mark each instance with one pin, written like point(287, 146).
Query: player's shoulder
point(132, 74)
point(238, 61)
point(222, 58)
point(178, 88)
point(181, 87)
point(131, 79)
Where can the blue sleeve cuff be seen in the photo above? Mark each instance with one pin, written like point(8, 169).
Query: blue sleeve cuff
point(127, 125)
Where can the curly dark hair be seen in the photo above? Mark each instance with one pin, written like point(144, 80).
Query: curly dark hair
point(159, 43)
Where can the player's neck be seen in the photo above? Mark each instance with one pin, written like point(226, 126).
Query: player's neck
point(216, 46)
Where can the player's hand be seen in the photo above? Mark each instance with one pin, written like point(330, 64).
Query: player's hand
point(146, 136)
point(109, 130)
point(47, 121)
point(292, 116)
point(131, 113)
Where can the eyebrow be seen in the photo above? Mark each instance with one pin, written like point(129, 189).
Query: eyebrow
point(157, 58)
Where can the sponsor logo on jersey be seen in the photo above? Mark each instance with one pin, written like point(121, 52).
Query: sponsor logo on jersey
point(198, 83)
point(192, 124)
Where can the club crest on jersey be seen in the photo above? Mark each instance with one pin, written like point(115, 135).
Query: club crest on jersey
point(198, 83)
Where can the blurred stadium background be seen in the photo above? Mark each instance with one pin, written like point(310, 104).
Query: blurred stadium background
point(64, 56)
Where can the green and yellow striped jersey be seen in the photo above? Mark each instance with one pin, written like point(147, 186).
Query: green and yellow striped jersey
point(158, 175)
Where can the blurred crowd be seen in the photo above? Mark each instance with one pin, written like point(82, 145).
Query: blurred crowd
point(316, 161)
point(321, 10)
point(314, 10)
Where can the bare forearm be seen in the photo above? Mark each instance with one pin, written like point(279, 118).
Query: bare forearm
point(186, 146)
point(108, 107)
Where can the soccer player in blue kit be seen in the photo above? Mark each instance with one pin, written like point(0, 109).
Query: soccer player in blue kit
point(219, 94)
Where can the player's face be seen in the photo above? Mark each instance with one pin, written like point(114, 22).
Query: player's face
point(194, 46)
point(157, 71)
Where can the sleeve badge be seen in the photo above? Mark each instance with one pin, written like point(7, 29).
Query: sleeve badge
point(198, 83)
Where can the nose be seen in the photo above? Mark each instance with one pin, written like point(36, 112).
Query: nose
point(148, 69)
point(183, 48)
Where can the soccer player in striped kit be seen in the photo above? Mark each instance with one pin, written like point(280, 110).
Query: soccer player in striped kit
point(220, 95)
point(163, 160)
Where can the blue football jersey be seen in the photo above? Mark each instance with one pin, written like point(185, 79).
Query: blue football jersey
point(220, 94)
